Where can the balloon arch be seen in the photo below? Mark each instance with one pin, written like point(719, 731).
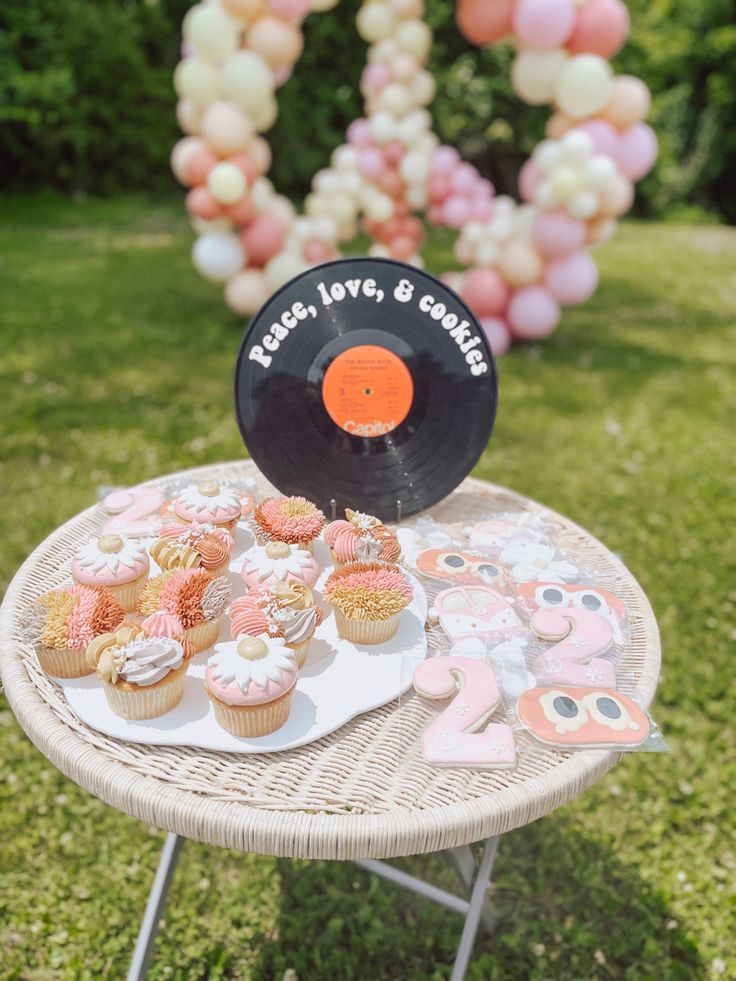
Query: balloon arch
point(523, 261)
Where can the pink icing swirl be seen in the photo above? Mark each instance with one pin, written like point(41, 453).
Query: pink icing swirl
point(334, 528)
point(79, 623)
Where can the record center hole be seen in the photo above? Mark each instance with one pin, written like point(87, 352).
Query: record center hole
point(367, 391)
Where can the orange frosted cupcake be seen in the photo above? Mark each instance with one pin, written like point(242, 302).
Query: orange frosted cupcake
point(293, 520)
point(193, 546)
point(361, 538)
point(61, 624)
point(195, 597)
point(368, 599)
point(282, 610)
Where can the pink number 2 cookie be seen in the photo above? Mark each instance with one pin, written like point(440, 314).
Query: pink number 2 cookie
point(453, 738)
point(135, 509)
point(580, 636)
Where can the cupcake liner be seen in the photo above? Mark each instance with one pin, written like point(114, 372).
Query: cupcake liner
point(367, 631)
point(127, 593)
point(300, 651)
point(252, 721)
point(146, 701)
point(65, 663)
point(203, 635)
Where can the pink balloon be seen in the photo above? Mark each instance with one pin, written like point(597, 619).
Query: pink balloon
point(262, 239)
point(456, 211)
point(530, 180)
point(572, 279)
point(556, 234)
point(359, 133)
point(603, 135)
point(497, 334)
point(436, 214)
point(601, 28)
point(370, 162)
point(463, 178)
point(533, 313)
point(317, 252)
point(481, 209)
point(484, 21)
point(445, 160)
point(245, 163)
point(485, 291)
point(201, 204)
point(543, 23)
point(242, 212)
point(637, 151)
point(199, 164)
point(289, 8)
point(393, 152)
point(282, 74)
point(439, 187)
point(376, 75)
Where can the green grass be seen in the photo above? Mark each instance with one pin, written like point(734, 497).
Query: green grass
point(116, 366)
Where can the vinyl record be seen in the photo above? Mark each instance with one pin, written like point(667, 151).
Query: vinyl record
point(367, 383)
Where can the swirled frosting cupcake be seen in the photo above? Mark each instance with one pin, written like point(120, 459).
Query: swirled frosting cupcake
point(361, 538)
point(142, 677)
point(208, 502)
point(115, 562)
point(265, 565)
point(294, 520)
point(283, 610)
point(250, 682)
point(193, 546)
point(61, 624)
point(194, 597)
point(368, 600)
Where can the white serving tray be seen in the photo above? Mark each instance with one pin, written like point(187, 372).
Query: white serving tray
point(338, 681)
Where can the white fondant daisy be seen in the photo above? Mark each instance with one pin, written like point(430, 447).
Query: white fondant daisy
point(228, 665)
point(260, 563)
point(193, 498)
point(529, 561)
point(129, 554)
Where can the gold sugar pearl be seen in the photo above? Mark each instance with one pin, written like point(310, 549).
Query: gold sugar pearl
point(209, 489)
point(109, 543)
point(252, 648)
point(278, 550)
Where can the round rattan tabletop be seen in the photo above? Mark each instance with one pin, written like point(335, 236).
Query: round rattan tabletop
point(362, 792)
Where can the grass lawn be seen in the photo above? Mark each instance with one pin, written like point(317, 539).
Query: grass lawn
point(116, 366)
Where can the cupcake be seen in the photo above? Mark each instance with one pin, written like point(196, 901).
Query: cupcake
point(143, 677)
point(193, 546)
point(265, 565)
point(208, 502)
point(283, 610)
point(62, 623)
point(368, 600)
point(293, 520)
point(195, 597)
point(362, 538)
point(162, 624)
point(250, 682)
point(115, 562)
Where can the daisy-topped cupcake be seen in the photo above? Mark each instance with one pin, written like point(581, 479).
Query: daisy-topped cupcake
point(250, 682)
point(368, 600)
point(361, 538)
point(193, 546)
point(208, 503)
point(194, 597)
point(293, 520)
point(61, 624)
point(265, 565)
point(283, 610)
point(113, 561)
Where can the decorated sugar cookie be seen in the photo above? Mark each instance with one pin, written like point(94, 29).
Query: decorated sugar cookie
point(582, 718)
point(476, 611)
point(535, 595)
point(492, 536)
point(461, 568)
point(528, 560)
point(135, 511)
point(579, 637)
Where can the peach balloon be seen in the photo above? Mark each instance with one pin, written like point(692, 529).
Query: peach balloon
point(260, 153)
point(262, 239)
point(245, 163)
point(558, 125)
point(628, 102)
point(520, 264)
point(188, 115)
point(246, 291)
point(485, 291)
point(277, 41)
point(484, 21)
point(244, 9)
point(200, 203)
point(241, 212)
point(181, 156)
point(225, 128)
point(601, 28)
point(402, 247)
point(616, 198)
point(600, 230)
point(316, 252)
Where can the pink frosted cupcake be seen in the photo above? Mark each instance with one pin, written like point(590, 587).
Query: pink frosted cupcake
point(194, 597)
point(293, 520)
point(162, 624)
point(193, 546)
point(362, 538)
point(113, 561)
point(284, 610)
point(62, 623)
point(368, 600)
point(208, 503)
point(250, 682)
point(265, 565)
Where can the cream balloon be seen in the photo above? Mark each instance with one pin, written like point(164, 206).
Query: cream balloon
point(320, 6)
point(534, 74)
point(225, 128)
point(211, 32)
point(583, 85)
point(188, 116)
point(520, 264)
point(415, 38)
point(246, 10)
point(583, 205)
point(628, 102)
point(246, 291)
point(226, 183)
point(282, 268)
point(247, 80)
point(180, 155)
point(198, 80)
point(277, 41)
point(375, 21)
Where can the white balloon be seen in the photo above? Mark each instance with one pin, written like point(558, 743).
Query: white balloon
point(416, 197)
point(576, 146)
point(344, 158)
point(378, 251)
point(383, 128)
point(547, 155)
point(188, 116)
point(583, 85)
point(564, 182)
point(265, 115)
point(218, 255)
point(326, 181)
point(319, 6)
point(599, 172)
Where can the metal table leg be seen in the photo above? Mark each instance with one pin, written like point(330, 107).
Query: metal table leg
point(463, 860)
point(154, 907)
point(475, 910)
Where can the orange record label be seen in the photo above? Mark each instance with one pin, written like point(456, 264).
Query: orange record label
point(367, 390)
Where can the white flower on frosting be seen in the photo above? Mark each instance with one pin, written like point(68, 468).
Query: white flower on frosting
point(531, 561)
point(228, 665)
point(258, 562)
point(194, 499)
point(91, 557)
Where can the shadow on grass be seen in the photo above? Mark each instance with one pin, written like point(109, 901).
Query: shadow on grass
point(568, 909)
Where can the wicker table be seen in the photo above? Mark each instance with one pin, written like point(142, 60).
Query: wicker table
point(358, 794)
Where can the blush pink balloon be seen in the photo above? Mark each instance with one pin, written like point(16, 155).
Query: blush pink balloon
point(463, 178)
point(444, 160)
point(601, 28)
point(393, 152)
point(485, 291)
point(484, 21)
point(370, 162)
point(637, 151)
point(436, 214)
point(572, 279)
point(603, 135)
point(289, 8)
point(439, 187)
point(262, 239)
point(200, 203)
point(497, 334)
point(242, 212)
point(199, 164)
point(530, 180)
point(456, 211)
point(317, 252)
point(359, 133)
point(245, 164)
point(282, 74)
point(543, 23)
point(376, 75)
point(533, 313)
point(481, 209)
point(556, 234)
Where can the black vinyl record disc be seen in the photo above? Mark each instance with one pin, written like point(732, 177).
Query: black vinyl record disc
point(368, 383)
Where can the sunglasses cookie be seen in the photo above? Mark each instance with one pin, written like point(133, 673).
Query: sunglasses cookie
point(583, 718)
point(461, 568)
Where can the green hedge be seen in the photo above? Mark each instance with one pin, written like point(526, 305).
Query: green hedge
point(86, 102)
